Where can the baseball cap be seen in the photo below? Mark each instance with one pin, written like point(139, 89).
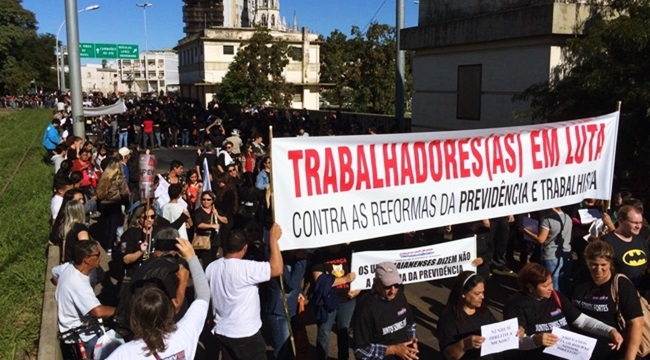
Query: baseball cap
point(124, 151)
point(386, 272)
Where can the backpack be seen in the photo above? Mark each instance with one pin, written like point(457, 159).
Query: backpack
point(644, 347)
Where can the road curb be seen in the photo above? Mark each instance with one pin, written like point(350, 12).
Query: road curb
point(48, 343)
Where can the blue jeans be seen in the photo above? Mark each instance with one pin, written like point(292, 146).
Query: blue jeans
point(343, 316)
point(560, 269)
point(124, 139)
point(280, 336)
point(185, 137)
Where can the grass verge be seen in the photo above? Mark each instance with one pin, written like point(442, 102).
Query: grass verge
point(24, 214)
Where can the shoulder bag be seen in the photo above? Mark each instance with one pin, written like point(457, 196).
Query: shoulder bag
point(644, 347)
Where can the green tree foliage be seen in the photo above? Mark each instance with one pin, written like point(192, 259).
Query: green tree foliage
point(25, 56)
point(609, 63)
point(361, 69)
point(256, 74)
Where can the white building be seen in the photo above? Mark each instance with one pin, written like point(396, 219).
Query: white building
point(157, 68)
point(204, 56)
point(472, 56)
point(96, 78)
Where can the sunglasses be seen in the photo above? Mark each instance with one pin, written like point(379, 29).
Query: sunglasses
point(396, 286)
point(206, 199)
point(150, 217)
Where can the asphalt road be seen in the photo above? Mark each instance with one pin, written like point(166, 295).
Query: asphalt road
point(427, 299)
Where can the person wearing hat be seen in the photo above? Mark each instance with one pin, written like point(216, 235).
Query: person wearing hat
point(125, 154)
point(384, 326)
point(236, 142)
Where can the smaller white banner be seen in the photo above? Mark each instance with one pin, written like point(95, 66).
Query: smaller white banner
point(500, 337)
point(425, 263)
point(587, 216)
point(571, 345)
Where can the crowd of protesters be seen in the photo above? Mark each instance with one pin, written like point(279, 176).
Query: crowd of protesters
point(219, 218)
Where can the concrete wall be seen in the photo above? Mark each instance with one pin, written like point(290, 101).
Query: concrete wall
point(517, 43)
point(505, 72)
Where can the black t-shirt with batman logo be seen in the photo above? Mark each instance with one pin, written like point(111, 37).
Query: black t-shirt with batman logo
point(630, 258)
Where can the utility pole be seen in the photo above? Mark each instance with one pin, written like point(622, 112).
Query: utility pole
point(72, 28)
point(399, 68)
point(144, 7)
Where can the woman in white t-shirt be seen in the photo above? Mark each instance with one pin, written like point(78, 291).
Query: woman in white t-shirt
point(155, 335)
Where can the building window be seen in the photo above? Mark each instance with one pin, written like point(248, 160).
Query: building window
point(229, 50)
point(296, 53)
point(272, 20)
point(468, 103)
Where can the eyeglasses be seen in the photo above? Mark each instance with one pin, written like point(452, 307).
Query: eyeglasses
point(97, 255)
point(396, 286)
point(232, 170)
point(206, 199)
point(150, 217)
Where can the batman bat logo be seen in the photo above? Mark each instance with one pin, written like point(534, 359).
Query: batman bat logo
point(635, 257)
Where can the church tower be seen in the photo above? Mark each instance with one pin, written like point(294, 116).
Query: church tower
point(267, 14)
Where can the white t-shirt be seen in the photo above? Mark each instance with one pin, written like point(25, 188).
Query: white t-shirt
point(181, 344)
point(235, 297)
point(74, 299)
point(171, 212)
point(55, 205)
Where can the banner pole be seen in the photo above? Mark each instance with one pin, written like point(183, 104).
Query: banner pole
point(608, 202)
point(285, 302)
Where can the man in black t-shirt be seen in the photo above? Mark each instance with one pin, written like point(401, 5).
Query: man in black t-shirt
point(384, 326)
point(630, 250)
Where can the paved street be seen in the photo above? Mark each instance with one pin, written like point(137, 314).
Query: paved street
point(427, 299)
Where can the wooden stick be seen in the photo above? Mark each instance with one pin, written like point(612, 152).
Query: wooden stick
point(285, 302)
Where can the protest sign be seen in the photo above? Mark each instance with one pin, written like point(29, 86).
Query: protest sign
point(330, 190)
point(425, 263)
point(500, 337)
point(147, 166)
point(571, 345)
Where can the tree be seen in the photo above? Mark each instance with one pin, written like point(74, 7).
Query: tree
point(24, 55)
point(255, 76)
point(335, 65)
point(609, 63)
point(362, 69)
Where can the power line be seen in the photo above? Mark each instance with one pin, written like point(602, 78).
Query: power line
point(373, 17)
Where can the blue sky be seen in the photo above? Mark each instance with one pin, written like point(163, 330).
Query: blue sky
point(121, 22)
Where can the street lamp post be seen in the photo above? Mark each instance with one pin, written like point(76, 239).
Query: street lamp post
point(60, 63)
point(144, 7)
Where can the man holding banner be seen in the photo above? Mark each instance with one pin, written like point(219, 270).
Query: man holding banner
point(384, 326)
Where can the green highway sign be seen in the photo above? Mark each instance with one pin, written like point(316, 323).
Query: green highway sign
point(109, 51)
point(106, 51)
point(128, 51)
point(86, 50)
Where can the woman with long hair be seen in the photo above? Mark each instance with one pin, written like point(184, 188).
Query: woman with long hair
point(594, 298)
point(205, 225)
point(193, 188)
point(135, 240)
point(155, 335)
point(55, 231)
point(73, 229)
point(538, 309)
point(459, 326)
point(112, 193)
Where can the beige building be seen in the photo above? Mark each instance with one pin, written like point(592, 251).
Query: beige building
point(95, 78)
point(472, 56)
point(152, 72)
point(204, 56)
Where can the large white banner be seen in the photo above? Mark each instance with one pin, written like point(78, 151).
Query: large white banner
point(425, 263)
point(330, 190)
